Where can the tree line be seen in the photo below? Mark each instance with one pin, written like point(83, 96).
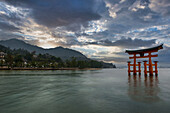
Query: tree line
point(23, 58)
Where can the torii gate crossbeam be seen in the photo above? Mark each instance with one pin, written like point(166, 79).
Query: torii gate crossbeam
point(143, 53)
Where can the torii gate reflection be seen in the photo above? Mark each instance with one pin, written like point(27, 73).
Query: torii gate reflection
point(146, 90)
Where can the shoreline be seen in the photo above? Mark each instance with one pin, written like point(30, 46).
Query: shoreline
point(51, 68)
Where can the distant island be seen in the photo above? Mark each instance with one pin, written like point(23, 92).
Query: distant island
point(18, 55)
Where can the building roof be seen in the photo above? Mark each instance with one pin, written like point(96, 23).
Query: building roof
point(145, 50)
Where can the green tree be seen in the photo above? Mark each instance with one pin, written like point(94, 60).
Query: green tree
point(9, 60)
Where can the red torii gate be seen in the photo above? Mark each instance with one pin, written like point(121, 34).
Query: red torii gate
point(143, 53)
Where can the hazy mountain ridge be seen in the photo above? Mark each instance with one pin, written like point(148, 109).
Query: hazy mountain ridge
point(63, 53)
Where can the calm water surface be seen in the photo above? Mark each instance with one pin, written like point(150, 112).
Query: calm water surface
point(100, 91)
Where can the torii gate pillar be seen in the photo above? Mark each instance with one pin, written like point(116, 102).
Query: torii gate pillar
point(144, 53)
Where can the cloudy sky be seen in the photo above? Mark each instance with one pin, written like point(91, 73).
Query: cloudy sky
point(100, 29)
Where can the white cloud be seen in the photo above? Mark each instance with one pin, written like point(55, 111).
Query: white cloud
point(137, 5)
point(113, 9)
point(121, 1)
point(95, 27)
point(160, 6)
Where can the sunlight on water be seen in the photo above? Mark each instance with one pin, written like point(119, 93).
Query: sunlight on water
point(100, 91)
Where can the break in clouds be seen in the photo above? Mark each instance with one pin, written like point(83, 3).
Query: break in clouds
point(93, 27)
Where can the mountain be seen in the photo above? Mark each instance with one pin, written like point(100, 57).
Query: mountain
point(63, 53)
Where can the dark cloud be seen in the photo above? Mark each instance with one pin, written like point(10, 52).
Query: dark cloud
point(135, 14)
point(9, 35)
point(8, 27)
point(157, 32)
point(160, 6)
point(60, 12)
point(103, 53)
point(10, 17)
point(12, 14)
point(113, 59)
point(10, 20)
point(164, 55)
point(125, 42)
point(68, 42)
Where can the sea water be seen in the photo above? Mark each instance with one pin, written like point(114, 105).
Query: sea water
point(92, 91)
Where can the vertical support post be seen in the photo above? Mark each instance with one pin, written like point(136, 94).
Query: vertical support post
point(134, 65)
point(145, 68)
point(150, 65)
point(129, 67)
point(156, 67)
point(139, 67)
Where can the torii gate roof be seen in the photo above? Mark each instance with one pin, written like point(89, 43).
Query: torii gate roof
point(153, 49)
